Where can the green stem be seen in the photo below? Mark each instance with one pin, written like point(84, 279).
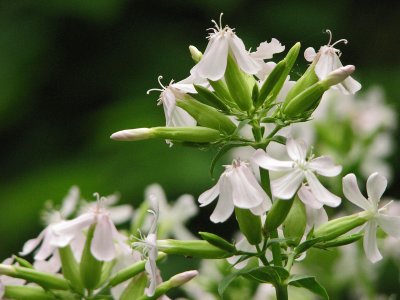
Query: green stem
point(290, 261)
point(261, 255)
point(281, 292)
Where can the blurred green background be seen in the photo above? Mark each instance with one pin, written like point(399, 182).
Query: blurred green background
point(72, 72)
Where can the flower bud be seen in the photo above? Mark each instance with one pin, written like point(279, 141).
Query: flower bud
point(238, 85)
point(221, 90)
point(70, 267)
point(191, 248)
point(205, 96)
point(270, 83)
point(26, 292)
point(195, 53)
point(277, 214)
point(337, 76)
point(340, 226)
point(207, 116)
point(295, 222)
point(185, 134)
point(340, 241)
point(218, 241)
point(249, 225)
point(135, 288)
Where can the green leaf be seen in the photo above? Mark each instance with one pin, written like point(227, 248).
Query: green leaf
point(307, 245)
point(226, 281)
point(269, 274)
point(225, 148)
point(310, 283)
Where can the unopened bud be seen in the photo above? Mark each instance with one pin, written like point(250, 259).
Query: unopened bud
point(182, 278)
point(136, 134)
point(249, 224)
point(195, 53)
point(338, 75)
point(191, 248)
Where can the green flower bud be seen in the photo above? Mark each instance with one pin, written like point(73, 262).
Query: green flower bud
point(26, 292)
point(195, 53)
point(70, 267)
point(295, 222)
point(207, 116)
point(191, 248)
point(205, 96)
point(250, 225)
point(340, 226)
point(218, 241)
point(238, 85)
point(184, 134)
point(269, 84)
point(221, 90)
point(277, 214)
point(135, 288)
point(340, 241)
point(90, 267)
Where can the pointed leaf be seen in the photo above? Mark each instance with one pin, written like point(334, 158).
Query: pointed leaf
point(309, 283)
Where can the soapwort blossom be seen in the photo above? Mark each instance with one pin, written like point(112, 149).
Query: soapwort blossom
point(376, 185)
point(314, 194)
point(327, 60)
point(105, 233)
point(237, 187)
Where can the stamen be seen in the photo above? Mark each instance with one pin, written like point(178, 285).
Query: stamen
point(156, 89)
point(220, 20)
point(330, 36)
point(340, 41)
point(385, 206)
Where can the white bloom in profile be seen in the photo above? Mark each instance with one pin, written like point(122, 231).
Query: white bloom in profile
point(237, 187)
point(174, 115)
point(327, 60)
point(222, 42)
point(314, 194)
point(48, 238)
point(148, 245)
point(105, 233)
point(376, 185)
point(173, 217)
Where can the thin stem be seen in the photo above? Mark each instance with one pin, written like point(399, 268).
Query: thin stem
point(261, 255)
point(290, 261)
point(281, 292)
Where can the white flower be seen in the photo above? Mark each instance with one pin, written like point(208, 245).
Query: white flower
point(238, 187)
point(297, 170)
point(327, 60)
point(149, 248)
point(174, 115)
point(173, 217)
point(105, 233)
point(222, 42)
point(376, 185)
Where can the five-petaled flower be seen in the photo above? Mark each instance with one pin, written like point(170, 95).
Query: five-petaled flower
point(237, 187)
point(314, 194)
point(376, 185)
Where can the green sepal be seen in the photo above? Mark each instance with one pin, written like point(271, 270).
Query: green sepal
point(218, 241)
point(70, 267)
point(23, 262)
point(207, 116)
point(269, 84)
point(277, 214)
point(23, 292)
point(310, 283)
point(90, 267)
point(295, 222)
point(221, 90)
point(207, 97)
point(135, 288)
point(255, 93)
point(341, 241)
point(238, 86)
point(191, 248)
point(196, 134)
point(250, 225)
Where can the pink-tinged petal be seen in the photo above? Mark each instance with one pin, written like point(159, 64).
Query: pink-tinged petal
point(121, 213)
point(213, 63)
point(77, 245)
point(244, 193)
point(32, 244)
point(73, 227)
point(102, 246)
point(310, 54)
point(297, 149)
point(351, 85)
point(325, 166)
point(308, 198)
point(225, 207)
point(326, 62)
point(2, 290)
point(53, 265)
point(316, 217)
point(353, 194)
point(286, 186)
point(243, 58)
point(262, 208)
point(209, 196)
point(376, 186)
point(389, 224)
point(69, 202)
point(262, 159)
point(181, 118)
point(266, 50)
point(185, 206)
point(370, 243)
point(320, 192)
point(46, 249)
point(151, 270)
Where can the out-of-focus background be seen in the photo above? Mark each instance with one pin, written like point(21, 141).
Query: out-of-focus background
point(72, 72)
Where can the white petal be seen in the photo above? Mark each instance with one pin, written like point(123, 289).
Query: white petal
point(376, 186)
point(243, 58)
point(351, 85)
point(121, 213)
point(266, 50)
point(185, 206)
point(181, 118)
point(69, 202)
point(31, 244)
point(53, 265)
point(297, 149)
point(308, 198)
point(225, 206)
point(262, 208)
point(209, 196)
point(245, 193)
point(46, 249)
point(102, 246)
point(389, 224)
point(326, 62)
point(2, 290)
point(151, 270)
point(353, 194)
point(316, 217)
point(73, 227)
point(325, 166)
point(309, 54)
point(320, 192)
point(213, 63)
point(370, 243)
point(286, 186)
point(265, 161)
